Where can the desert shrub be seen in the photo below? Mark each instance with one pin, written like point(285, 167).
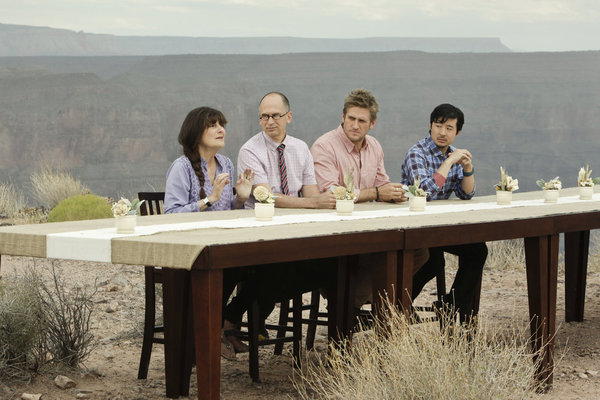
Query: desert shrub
point(399, 361)
point(594, 254)
point(20, 325)
point(80, 207)
point(50, 187)
point(502, 255)
point(67, 316)
point(12, 200)
point(42, 325)
point(506, 254)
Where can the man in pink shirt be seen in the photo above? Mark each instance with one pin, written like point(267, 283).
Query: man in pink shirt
point(350, 148)
point(336, 152)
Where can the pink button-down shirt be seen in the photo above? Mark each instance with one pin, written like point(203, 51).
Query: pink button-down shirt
point(260, 154)
point(334, 155)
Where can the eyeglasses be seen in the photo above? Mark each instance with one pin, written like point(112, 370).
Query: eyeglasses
point(276, 116)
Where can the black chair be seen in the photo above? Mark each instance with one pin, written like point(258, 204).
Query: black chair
point(153, 205)
point(152, 276)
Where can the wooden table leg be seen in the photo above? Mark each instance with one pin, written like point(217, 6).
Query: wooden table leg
point(576, 258)
point(406, 264)
point(176, 322)
point(384, 276)
point(542, 268)
point(207, 291)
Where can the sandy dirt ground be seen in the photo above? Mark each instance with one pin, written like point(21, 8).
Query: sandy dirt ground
point(117, 326)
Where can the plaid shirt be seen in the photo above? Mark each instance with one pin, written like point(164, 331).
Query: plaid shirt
point(423, 160)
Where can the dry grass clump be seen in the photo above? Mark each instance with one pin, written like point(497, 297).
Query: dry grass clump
point(42, 325)
point(419, 362)
point(502, 255)
point(12, 200)
point(20, 333)
point(506, 254)
point(594, 254)
point(51, 186)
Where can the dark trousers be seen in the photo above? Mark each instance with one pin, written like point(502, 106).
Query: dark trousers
point(272, 283)
point(471, 259)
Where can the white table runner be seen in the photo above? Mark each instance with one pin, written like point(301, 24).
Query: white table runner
point(95, 245)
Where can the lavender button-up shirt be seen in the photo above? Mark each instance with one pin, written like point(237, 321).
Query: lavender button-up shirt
point(259, 154)
point(182, 191)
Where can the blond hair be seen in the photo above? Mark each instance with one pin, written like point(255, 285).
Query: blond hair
point(364, 99)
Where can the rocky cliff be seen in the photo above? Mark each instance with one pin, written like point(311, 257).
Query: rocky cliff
point(113, 121)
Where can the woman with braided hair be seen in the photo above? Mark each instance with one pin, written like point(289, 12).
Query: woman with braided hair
point(201, 180)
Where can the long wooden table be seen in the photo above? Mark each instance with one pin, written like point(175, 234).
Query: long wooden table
point(194, 262)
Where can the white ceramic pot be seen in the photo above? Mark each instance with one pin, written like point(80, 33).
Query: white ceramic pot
point(551, 196)
point(503, 197)
point(417, 203)
point(344, 207)
point(126, 223)
point(586, 192)
point(264, 211)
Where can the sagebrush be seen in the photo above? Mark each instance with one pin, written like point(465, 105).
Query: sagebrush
point(51, 186)
point(12, 200)
point(81, 207)
point(401, 361)
point(42, 325)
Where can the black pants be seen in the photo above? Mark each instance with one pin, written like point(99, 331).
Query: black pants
point(471, 259)
point(272, 283)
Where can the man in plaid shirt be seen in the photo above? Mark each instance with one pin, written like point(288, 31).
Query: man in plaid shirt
point(443, 170)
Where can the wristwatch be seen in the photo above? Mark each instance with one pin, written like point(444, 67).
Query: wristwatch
point(207, 202)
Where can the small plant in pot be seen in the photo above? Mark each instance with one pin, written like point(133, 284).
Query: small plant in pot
point(417, 197)
point(264, 208)
point(125, 212)
point(551, 189)
point(345, 195)
point(505, 187)
point(586, 183)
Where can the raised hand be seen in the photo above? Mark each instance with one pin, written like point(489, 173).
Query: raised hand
point(243, 186)
point(219, 184)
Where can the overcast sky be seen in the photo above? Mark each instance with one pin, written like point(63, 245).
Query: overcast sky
point(522, 25)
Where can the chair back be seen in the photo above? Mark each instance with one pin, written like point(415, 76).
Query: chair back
point(153, 204)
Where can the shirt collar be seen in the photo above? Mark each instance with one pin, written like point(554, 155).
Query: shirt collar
point(433, 149)
point(218, 159)
point(272, 144)
point(346, 142)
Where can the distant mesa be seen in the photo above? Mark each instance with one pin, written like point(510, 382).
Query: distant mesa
point(21, 40)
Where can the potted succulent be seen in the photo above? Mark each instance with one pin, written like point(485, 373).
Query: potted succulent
point(264, 208)
point(125, 213)
point(586, 183)
point(505, 187)
point(551, 189)
point(417, 197)
point(344, 195)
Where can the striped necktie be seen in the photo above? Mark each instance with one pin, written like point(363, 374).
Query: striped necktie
point(283, 170)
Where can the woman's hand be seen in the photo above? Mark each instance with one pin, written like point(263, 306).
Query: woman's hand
point(243, 186)
point(219, 184)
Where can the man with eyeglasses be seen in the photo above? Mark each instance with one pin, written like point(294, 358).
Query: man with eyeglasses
point(284, 165)
point(280, 162)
